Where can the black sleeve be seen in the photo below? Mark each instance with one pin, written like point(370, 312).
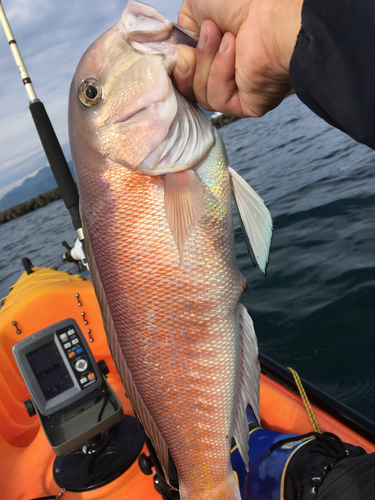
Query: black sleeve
point(332, 68)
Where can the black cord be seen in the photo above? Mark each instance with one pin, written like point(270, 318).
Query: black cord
point(107, 397)
point(53, 497)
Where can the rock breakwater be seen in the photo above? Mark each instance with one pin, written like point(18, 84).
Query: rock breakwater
point(30, 205)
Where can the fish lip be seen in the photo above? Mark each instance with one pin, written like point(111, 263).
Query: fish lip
point(184, 37)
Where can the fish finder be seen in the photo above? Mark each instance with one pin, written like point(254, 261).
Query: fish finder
point(68, 388)
point(78, 410)
point(57, 366)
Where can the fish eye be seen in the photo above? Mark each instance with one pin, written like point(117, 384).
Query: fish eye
point(90, 92)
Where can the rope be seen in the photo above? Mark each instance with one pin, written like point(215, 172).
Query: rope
point(51, 497)
point(306, 402)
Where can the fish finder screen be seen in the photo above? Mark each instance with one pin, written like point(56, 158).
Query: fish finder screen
point(50, 370)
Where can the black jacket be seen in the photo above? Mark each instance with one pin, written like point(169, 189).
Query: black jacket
point(332, 68)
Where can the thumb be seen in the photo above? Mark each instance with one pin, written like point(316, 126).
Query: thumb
point(183, 74)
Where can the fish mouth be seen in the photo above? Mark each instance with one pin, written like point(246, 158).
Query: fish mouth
point(181, 36)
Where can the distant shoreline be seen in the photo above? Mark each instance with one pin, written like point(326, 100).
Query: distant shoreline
point(30, 205)
point(42, 200)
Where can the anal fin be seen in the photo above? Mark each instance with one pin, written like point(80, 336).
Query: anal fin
point(249, 382)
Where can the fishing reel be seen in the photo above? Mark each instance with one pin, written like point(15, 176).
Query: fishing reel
point(76, 255)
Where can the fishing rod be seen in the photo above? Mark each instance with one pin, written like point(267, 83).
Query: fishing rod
point(52, 149)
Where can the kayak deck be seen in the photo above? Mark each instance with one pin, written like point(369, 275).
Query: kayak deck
point(47, 296)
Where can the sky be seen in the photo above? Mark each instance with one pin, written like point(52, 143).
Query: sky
point(52, 36)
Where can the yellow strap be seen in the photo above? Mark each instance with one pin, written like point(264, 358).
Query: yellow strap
point(306, 401)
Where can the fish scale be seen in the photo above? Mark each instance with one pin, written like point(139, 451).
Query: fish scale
point(160, 308)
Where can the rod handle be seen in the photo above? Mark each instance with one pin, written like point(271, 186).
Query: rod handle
point(57, 161)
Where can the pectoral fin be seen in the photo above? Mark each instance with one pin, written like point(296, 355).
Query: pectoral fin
point(183, 204)
point(255, 220)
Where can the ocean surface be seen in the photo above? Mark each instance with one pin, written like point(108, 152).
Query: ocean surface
point(315, 311)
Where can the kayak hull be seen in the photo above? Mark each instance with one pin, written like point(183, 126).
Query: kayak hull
point(47, 296)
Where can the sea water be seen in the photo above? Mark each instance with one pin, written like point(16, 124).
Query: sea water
point(315, 310)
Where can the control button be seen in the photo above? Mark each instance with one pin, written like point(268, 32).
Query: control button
point(79, 350)
point(71, 332)
point(72, 354)
point(83, 380)
point(67, 345)
point(64, 337)
point(75, 341)
point(90, 376)
point(81, 365)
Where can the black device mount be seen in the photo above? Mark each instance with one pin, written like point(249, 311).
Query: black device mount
point(78, 410)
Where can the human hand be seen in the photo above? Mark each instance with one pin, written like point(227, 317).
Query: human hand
point(241, 63)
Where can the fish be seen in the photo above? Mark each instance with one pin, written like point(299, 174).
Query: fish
point(156, 202)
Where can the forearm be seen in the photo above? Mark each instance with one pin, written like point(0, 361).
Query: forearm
point(332, 68)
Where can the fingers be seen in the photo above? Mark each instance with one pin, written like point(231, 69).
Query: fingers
point(222, 92)
point(193, 66)
point(183, 74)
point(207, 74)
point(186, 18)
point(207, 48)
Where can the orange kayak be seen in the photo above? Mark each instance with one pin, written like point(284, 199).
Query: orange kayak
point(47, 296)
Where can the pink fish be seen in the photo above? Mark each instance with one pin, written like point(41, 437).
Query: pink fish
point(155, 189)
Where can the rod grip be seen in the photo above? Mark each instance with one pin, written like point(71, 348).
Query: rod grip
point(57, 161)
